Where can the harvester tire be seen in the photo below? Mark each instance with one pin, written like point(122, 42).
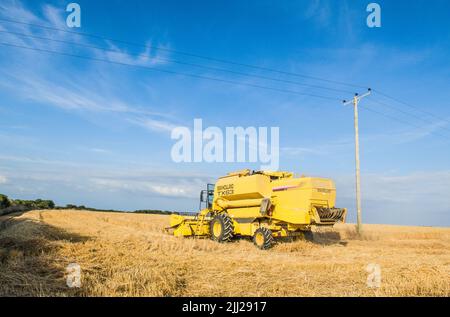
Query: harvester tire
point(221, 228)
point(263, 238)
point(309, 236)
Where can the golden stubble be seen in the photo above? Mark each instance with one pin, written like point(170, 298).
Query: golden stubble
point(130, 255)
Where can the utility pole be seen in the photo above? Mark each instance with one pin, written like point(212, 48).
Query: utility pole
point(356, 99)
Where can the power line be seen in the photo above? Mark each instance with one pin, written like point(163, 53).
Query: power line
point(213, 79)
point(390, 117)
point(224, 70)
point(402, 121)
point(409, 105)
point(221, 61)
point(177, 62)
point(169, 71)
point(210, 78)
point(185, 53)
point(409, 113)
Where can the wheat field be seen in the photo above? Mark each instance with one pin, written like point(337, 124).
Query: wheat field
point(131, 255)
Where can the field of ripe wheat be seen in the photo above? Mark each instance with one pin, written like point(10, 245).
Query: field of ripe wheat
point(130, 255)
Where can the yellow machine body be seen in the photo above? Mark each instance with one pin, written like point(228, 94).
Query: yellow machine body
point(278, 201)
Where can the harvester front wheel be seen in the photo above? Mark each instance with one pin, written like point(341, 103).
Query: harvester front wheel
point(221, 228)
point(263, 238)
point(309, 236)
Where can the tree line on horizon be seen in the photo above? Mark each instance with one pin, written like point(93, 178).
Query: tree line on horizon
point(8, 205)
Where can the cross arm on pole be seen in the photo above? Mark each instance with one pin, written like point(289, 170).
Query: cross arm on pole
point(357, 97)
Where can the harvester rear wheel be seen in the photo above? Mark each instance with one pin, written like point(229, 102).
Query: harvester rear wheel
point(263, 238)
point(221, 228)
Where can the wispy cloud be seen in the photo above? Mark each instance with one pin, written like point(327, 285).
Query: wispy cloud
point(319, 11)
point(156, 181)
point(17, 10)
point(300, 151)
point(412, 188)
point(178, 188)
point(99, 150)
point(149, 56)
point(82, 89)
point(322, 149)
point(154, 125)
point(409, 135)
point(3, 179)
point(71, 96)
point(370, 141)
point(418, 198)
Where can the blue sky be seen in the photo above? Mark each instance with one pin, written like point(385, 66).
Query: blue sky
point(86, 132)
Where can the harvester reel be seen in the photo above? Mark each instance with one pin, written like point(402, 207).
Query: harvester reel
point(221, 228)
point(263, 238)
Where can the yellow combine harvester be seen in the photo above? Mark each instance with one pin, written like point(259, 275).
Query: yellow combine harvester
point(263, 205)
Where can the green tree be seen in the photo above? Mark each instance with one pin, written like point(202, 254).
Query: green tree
point(4, 201)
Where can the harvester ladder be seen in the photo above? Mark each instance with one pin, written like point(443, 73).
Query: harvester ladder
point(200, 219)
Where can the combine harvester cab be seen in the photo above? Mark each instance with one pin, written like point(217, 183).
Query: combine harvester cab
point(263, 205)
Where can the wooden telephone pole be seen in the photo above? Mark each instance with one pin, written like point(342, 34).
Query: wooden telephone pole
point(355, 101)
